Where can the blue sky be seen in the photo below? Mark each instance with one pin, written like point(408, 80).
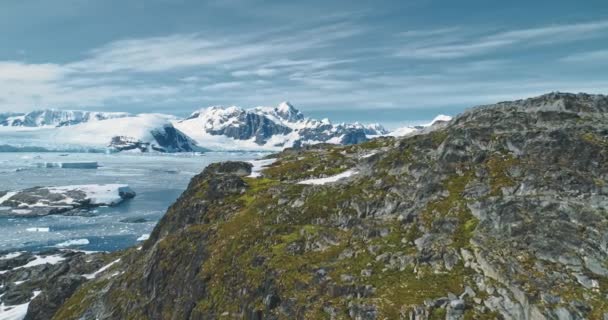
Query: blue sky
point(387, 61)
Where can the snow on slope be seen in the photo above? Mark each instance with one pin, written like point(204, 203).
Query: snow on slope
point(330, 179)
point(439, 118)
point(400, 132)
point(17, 312)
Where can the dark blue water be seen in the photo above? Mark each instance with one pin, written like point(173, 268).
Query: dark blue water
point(157, 179)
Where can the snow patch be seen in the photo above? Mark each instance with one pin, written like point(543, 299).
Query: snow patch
point(17, 312)
point(106, 267)
point(439, 118)
point(53, 259)
point(330, 179)
point(7, 196)
point(259, 165)
point(402, 131)
point(11, 255)
point(144, 237)
point(365, 156)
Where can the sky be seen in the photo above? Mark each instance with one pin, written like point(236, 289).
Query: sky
point(371, 61)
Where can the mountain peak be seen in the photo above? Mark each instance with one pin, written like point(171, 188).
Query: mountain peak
point(288, 112)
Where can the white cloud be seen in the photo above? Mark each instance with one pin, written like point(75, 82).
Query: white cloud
point(121, 70)
point(260, 72)
point(590, 56)
point(442, 47)
point(190, 79)
point(20, 71)
point(222, 86)
point(310, 67)
point(179, 51)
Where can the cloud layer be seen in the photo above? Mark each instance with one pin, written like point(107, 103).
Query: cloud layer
point(332, 62)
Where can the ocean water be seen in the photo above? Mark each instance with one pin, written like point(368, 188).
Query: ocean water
point(158, 179)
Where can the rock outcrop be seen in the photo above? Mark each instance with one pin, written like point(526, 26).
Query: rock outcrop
point(497, 214)
point(45, 280)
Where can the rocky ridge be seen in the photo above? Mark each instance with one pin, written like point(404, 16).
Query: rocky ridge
point(272, 127)
point(497, 214)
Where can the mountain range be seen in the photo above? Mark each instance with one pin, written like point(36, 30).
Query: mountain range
point(213, 128)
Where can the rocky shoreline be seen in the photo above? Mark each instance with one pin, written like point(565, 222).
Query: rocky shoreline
point(37, 283)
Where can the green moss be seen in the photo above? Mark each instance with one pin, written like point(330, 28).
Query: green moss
point(498, 168)
point(405, 288)
point(78, 303)
point(438, 314)
point(470, 314)
point(376, 143)
point(312, 164)
point(438, 136)
point(256, 188)
point(595, 139)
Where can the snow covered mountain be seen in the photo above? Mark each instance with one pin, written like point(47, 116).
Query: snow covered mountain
point(83, 130)
point(56, 118)
point(269, 128)
point(214, 128)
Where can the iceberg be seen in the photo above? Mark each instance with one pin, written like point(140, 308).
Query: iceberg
point(69, 165)
point(72, 243)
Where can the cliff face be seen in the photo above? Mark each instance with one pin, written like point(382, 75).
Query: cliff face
point(500, 213)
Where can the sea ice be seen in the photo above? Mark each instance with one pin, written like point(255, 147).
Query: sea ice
point(75, 242)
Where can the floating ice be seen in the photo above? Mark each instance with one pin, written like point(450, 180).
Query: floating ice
point(71, 243)
point(69, 165)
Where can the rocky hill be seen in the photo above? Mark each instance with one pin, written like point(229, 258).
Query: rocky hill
point(497, 214)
